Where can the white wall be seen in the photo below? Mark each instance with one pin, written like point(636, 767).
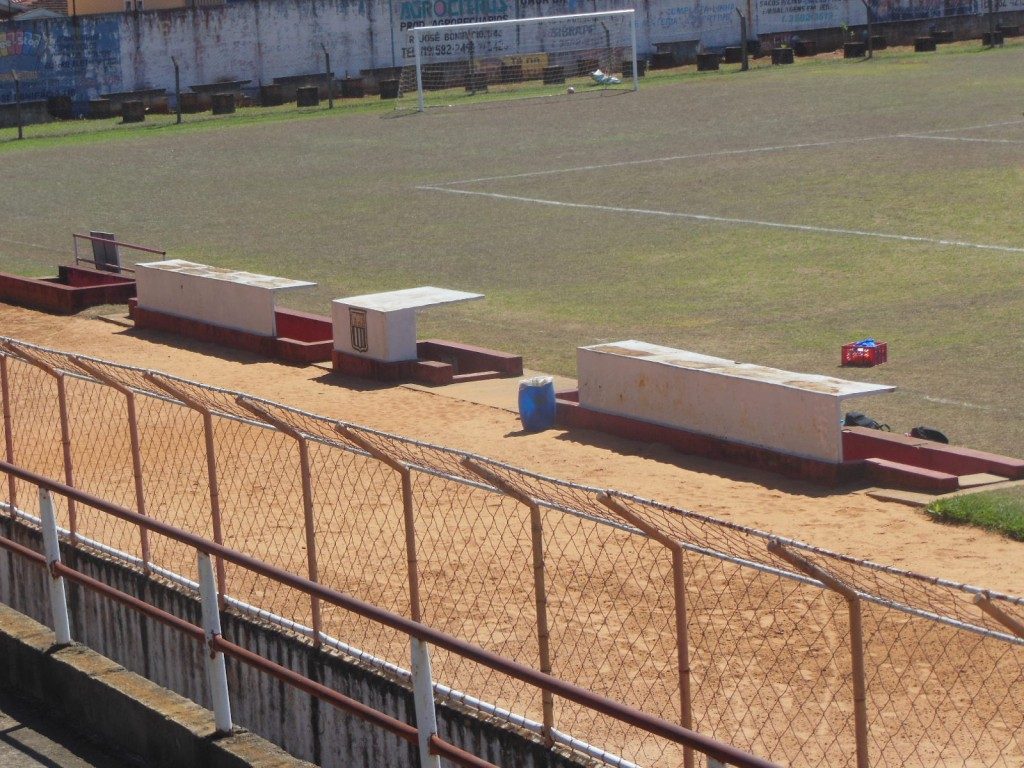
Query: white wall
point(218, 302)
point(797, 414)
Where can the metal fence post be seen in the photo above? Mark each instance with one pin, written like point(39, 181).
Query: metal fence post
point(423, 698)
point(5, 393)
point(133, 437)
point(679, 595)
point(744, 57)
point(17, 105)
point(211, 467)
point(51, 547)
point(539, 584)
point(307, 502)
point(65, 425)
point(408, 510)
point(177, 91)
point(860, 712)
point(216, 671)
point(867, 10)
point(329, 77)
point(984, 602)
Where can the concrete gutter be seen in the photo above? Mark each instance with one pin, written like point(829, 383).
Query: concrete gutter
point(98, 697)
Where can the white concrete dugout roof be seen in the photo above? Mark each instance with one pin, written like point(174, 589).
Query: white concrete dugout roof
point(409, 298)
point(809, 382)
point(192, 269)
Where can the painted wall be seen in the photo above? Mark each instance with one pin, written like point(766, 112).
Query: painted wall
point(773, 16)
point(61, 58)
point(263, 39)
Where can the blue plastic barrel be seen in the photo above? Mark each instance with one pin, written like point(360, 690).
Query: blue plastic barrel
point(537, 403)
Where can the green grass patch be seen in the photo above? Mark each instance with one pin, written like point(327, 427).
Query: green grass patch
point(998, 511)
point(70, 132)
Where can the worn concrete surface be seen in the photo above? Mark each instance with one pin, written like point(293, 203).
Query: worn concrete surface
point(28, 739)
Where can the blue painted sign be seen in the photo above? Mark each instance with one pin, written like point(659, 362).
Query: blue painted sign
point(76, 58)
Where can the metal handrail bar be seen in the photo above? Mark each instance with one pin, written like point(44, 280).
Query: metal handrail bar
point(134, 247)
point(76, 236)
point(628, 715)
point(217, 643)
point(390, 668)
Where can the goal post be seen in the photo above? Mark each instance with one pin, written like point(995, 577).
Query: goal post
point(516, 58)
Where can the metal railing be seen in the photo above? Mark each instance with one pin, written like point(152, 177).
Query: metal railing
point(787, 650)
point(421, 638)
point(110, 248)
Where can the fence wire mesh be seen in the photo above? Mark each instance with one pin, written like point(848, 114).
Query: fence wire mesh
point(746, 636)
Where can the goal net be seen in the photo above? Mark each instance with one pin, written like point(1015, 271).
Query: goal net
point(541, 56)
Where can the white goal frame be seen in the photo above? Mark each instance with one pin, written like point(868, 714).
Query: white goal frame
point(418, 32)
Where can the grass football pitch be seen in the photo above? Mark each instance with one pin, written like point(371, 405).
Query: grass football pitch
point(768, 216)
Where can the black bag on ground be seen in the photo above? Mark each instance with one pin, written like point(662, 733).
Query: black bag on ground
point(858, 419)
point(927, 433)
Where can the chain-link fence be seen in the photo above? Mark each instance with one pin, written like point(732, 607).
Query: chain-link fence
point(800, 655)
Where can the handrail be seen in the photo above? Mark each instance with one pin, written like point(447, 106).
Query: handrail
point(723, 752)
point(143, 248)
point(76, 236)
point(217, 643)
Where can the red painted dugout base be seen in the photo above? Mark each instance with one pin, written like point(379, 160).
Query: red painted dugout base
point(302, 337)
point(306, 338)
point(74, 289)
point(870, 455)
point(439, 362)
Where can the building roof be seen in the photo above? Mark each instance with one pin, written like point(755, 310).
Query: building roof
point(27, 10)
point(39, 13)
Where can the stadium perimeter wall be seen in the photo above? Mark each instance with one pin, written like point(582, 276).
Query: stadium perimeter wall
point(82, 58)
point(300, 724)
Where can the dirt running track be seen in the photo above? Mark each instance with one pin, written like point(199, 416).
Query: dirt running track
point(848, 522)
point(843, 520)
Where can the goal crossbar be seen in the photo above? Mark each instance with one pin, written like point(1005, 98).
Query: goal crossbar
point(418, 32)
point(511, 22)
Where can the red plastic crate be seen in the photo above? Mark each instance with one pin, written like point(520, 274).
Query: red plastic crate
point(854, 354)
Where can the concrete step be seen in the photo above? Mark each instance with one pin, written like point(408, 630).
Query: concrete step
point(896, 474)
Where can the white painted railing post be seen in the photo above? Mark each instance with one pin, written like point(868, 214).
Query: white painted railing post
point(51, 548)
point(423, 698)
point(216, 672)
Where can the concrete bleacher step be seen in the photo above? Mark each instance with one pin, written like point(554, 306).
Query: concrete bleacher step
point(896, 474)
point(979, 479)
point(909, 477)
point(860, 443)
point(476, 376)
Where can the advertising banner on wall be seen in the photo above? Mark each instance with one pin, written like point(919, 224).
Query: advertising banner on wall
point(792, 15)
point(713, 22)
point(906, 10)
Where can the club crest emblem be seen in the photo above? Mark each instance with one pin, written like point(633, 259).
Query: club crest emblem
point(357, 322)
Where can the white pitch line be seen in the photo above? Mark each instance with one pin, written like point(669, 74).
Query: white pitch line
point(974, 127)
point(670, 158)
point(961, 404)
point(971, 139)
point(747, 151)
point(31, 245)
point(726, 220)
